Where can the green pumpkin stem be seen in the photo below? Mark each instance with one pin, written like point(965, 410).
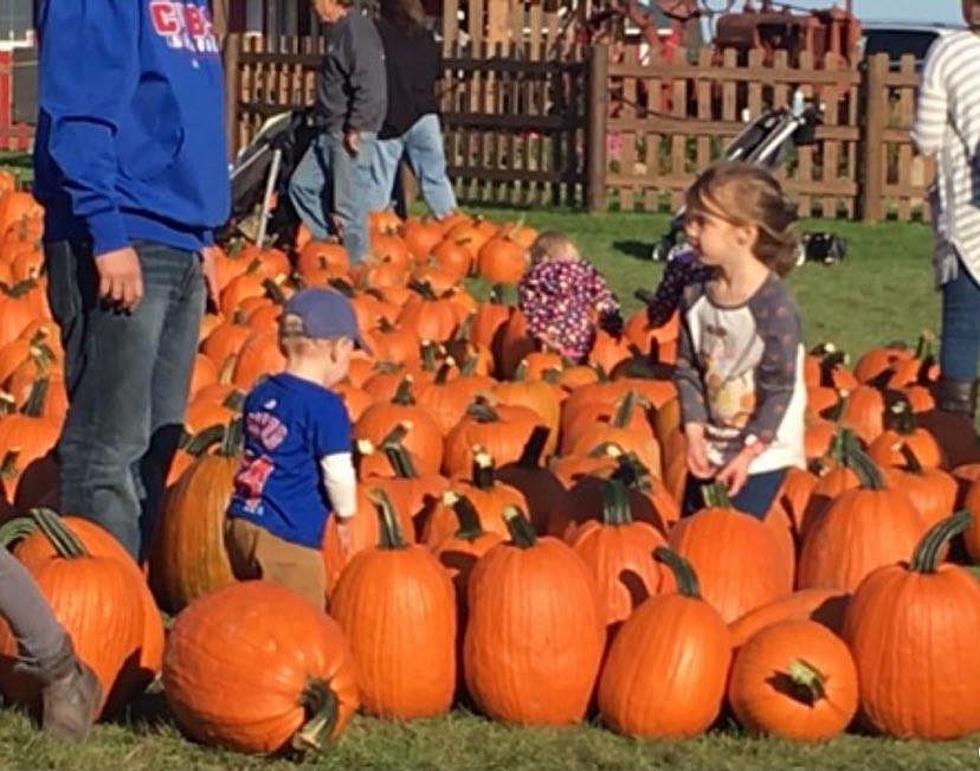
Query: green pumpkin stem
point(391, 530)
point(399, 457)
point(16, 530)
point(198, 444)
point(274, 291)
point(469, 365)
point(403, 396)
point(34, 406)
point(8, 466)
point(481, 410)
point(624, 414)
point(234, 401)
point(65, 542)
point(470, 527)
point(322, 708)
point(902, 417)
point(423, 288)
point(912, 464)
point(233, 441)
point(484, 469)
point(520, 374)
point(866, 469)
point(430, 360)
point(715, 495)
point(442, 376)
point(684, 575)
point(522, 534)
point(615, 503)
point(925, 559)
point(808, 680)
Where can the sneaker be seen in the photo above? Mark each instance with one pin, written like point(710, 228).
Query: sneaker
point(70, 703)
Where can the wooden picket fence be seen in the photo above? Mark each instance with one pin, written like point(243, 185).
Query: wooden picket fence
point(523, 126)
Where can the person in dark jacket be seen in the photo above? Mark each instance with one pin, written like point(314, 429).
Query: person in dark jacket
point(131, 166)
point(331, 186)
point(411, 129)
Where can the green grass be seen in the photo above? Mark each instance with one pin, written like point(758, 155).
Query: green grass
point(19, 163)
point(881, 293)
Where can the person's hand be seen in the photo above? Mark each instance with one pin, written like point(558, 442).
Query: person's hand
point(120, 278)
point(344, 536)
point(734, 475)
point(697, 452)
point(352, 141)
point(210, 271)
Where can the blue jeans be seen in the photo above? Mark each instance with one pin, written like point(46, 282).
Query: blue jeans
point(330, 181)
point(423, 146)
point(127, 376)
point(960, 345)
point(755, 497)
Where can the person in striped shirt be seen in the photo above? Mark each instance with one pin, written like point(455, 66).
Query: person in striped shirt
point(947, 127)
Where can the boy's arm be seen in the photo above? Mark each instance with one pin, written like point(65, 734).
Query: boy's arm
point(933, 108)
point(340, 480)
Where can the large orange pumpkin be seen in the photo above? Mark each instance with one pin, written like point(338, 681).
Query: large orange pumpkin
point(796, 680)
point(534, 638)
point(665, 672)
point(912, 630)
point(397, 607)
point(256, 668)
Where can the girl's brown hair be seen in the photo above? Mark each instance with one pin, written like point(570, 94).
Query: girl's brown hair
point(551, 245)
point(749, 195)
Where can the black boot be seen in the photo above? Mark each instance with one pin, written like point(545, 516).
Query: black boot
point(958, 396)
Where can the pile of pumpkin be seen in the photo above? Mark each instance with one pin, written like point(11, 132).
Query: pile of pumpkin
point(517, 543)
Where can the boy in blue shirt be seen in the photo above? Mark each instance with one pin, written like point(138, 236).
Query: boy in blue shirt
point(297, 464)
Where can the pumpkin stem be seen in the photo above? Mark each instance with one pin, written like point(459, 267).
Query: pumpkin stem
point(531, 454)
point(807, 681)
point(423, 288)
point(866, 469)
point(684, 575)
point(481, 410)
point(484, 469)
point(321, 707)
point(403, 396)
point(341, 286)
point(442, 376)
point(34, 405)
point(469, 365)
point(16, 530)
point(8, 466)
point(470, 527)
point(923, 348)
point(429, 356)
point(203, 440)
point(391, 531)
point(615, 503)
point(715, 495)
point(625, 412)
point(233, 441)
point(902, 418)
point(522, 534)
point(400, 460)
point(912, 464)
point(64, 541)
point(925, 559)
point(503, 294)
point(520, 374)
point(228, 369)
point(234, 401)
point(274, 291)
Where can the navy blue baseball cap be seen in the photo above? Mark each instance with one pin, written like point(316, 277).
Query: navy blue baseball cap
point(322, 314)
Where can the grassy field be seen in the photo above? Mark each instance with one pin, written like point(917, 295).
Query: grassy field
point(882, 293)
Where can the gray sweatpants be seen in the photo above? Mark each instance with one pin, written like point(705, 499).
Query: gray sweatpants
point(40, 637)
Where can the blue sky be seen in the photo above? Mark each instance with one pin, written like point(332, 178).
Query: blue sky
point(894, 10)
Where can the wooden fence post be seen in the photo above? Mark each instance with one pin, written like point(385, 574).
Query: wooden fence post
point(597, 109)
point(231, 55)
point(871, 190)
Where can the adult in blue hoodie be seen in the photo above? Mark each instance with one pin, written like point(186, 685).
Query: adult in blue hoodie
point(131, 166)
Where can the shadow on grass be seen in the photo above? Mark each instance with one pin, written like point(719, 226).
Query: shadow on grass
point(638, 250)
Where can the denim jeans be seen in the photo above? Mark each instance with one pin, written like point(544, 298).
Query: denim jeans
point(960, 342)
point(127, 376)
point(330, 181)
point(755, 497)
point(423, 146)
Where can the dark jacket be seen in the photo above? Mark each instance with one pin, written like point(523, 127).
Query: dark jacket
point(413, 63)
point(351, 90)
point(130, 135)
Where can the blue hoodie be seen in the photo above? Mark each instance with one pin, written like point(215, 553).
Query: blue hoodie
point(130, 139)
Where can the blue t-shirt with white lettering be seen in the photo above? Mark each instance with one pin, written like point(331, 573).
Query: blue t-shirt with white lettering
point(290, 425)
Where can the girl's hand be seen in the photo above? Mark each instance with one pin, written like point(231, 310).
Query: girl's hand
point(735, 474)
point(697, 452)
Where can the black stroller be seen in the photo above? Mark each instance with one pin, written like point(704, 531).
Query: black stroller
point(260, 204)
point(766, 142)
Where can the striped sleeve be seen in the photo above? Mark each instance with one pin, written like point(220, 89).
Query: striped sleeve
point(931, 115)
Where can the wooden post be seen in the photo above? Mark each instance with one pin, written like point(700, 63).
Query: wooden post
point(595, 142)
point(231, 55)
point(871, 195)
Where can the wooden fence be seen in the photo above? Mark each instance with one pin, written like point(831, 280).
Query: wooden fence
point(525, 127)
